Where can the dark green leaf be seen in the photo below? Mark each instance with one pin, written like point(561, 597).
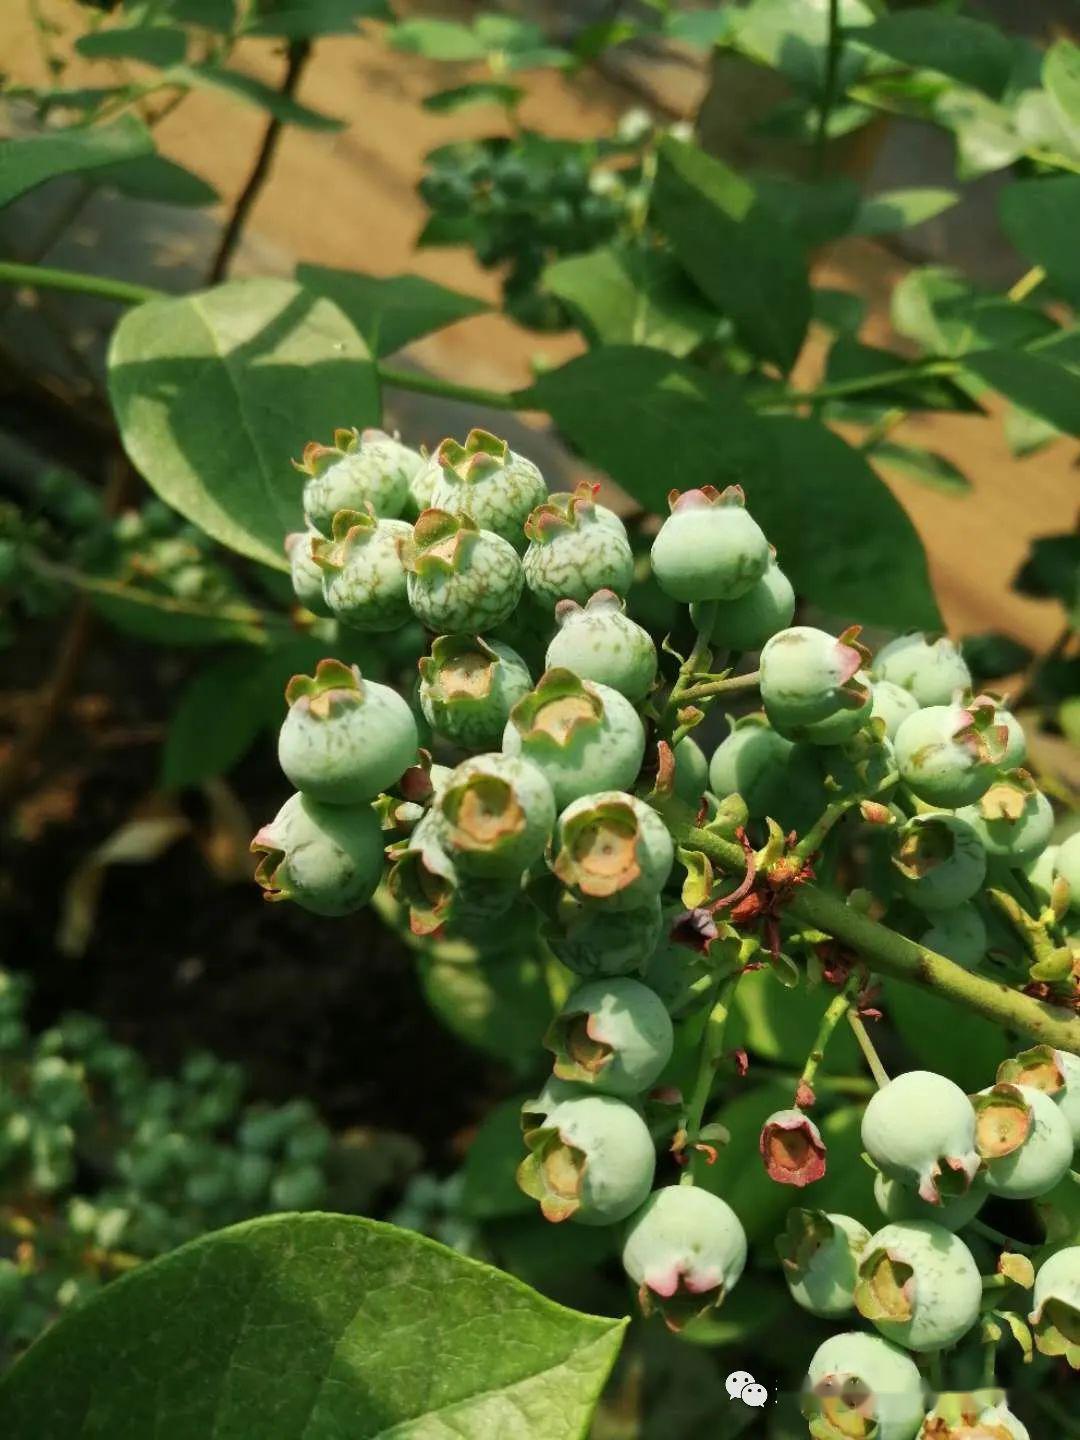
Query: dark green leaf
point(1052, 570)
point(307, 19)
point(839, 310)
point(792, 36)
point(633, 296)
point(705, 28)
point(215, 391)
point(946, 315)
point(814, 211)
point(25, 164)
point(971, 51)
point(152, 177)
point(898, 209)
point(219, 15)
point(501, 1005)
point(216, 719)
point(1042, 219)
point(489, 1189)
point(799, 119)
point(299, 1326)
point(779, 1024)
point(992, 656)
point(850, 359)
point(1041, 386)
point(437, 40)
point(166, 620)
point(254, 92)
point(152, 44)
point(933, 1029)
point(389, 311)
point(734, 250)
point(926, 466)
point(478, 92)
point(1061, 76)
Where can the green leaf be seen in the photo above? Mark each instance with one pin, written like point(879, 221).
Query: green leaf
point(437, 40)
point(632, 296)
point(840, 311)
point(254, 92)
point(307, 19)
point(152, 177)
point(1042, 219)
point(734, 250)
point(218, 15)
point(25, 164)
point(933, 1030)
point(898, 209)
point(850, 359)
point(704, 28)
point(393, 310)
point(152, 44)
point(814, 211)
point(1046, 389)
point(167, 620)
point(946, 315)
point(792, 36)
point(478, 92)
point(1025, 433)
point(971, 51)
point(1061, 76)
point(216, 719)
point(213, 393)
point(925, 466)
point(489, 1188)
point(987, 137)
point(779, 1024)
point(500, 1005)
point(303, 1326)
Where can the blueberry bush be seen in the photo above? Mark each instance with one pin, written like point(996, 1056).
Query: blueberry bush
point(690, 815)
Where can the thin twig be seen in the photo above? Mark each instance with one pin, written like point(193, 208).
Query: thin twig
point(828, 89)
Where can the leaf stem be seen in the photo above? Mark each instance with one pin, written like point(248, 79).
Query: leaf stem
point(869, 1050)
point(712, 1046)
point(835, 1011)
point(857, 385)
point(1029, 281)
point(829, 86)
point(998, 1237)
point(423, 384)
point(723, 685)
point(46, 277)
point(699, 656)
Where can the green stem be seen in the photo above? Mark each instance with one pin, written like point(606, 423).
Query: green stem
point(989, 1358)
point(712, 1047)
point(936, 1368)
point(835, 1011)
point(838, 389)
point(814, 838)
point(999, 1238)
point(450, 389)
point(869, 1050)
point(723, 685)
point(1029, 281)
point(45, 277)
point(828, 89)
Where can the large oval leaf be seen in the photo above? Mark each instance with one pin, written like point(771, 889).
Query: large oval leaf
point(312, 1327)
point(215, 392)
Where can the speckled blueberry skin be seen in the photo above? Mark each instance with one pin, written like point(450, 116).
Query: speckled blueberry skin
point(746, 623)
point(931, 670)
point(572, 553)
point(631, 865)
point(629, 1020)
point(372, 468)
point(920, 1129)
point(421, 488)
point(364, 581)
point(603, 751)
point(943, 1291)
point(363, 743)
point(497, 487)
point(891, 1377)
point(819, 1255)
point(600, 642)
point(940, 861)
point(1042, 1160)
point(307, 576)
point(940, 756)
point(471, 583)
point(709, 547)
point(808, 677)
point(619, 1158)
point(892, 705)
point(685, 1239)
point(959, 934)
point(326, 858)
point(1016, 839)
point(501, 835)
point(898, 1202)
point(468, 686)
point(594, 941)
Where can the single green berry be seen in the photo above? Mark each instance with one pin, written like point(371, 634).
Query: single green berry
point(344, 739)
point(984, 1415)
point(496, 813)
point(572, 553)
point(959, 934)
point(592, 1160)
point(486, 480)
point(1067, 867)
point(600, 642)
point(920, 1129)
point(1015, 740)
point(919, 1285)
point(360, 468)
point(595, 941)
point(1056, 1306)
point(949, 754)
point(940, 861)
point(810, 684)
point(897, 1202)
point(932, 670)
point(792, 1149)
point(364, 580)
point(439, 898)
point(327, 858)
point(613, 847)
point(612, 1035)
point(585, 737)
point(459, 577)
point(709, 548)
point(762, 612)
point(752, 762)
point(468, 686)
point(685, 1250)
point(1055, 1072)
point(819, 1255)
point(1013, 819)
point(892, 705)
point(691, 778)
point(307, 574)
point(1025, 1140)
point(421, 488)
point(859, 1387)
point(1042, 872)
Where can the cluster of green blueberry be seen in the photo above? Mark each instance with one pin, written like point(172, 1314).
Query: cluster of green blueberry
point(553, 806)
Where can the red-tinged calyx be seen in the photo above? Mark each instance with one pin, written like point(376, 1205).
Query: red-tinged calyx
point(842, 1407)
point(601, 603)
point(557, 709)
point(425, 886)
point(706, 497)
point(1040, 1068)
point(947, 1178)
point(483, 813)
point(440, 541)
point(806, 1231)
point(680, 1297)
point(556, 516)
point(348, 528)
point(599, 851)
point(317, 458)
point(481, 456)
point(333, 684)
point(1003, 1121)
point(270, 871)
point(553, 1173)
point(460, 667)
point(792, 1149)
point(852, 656)
point(580, 1052)
point(886, 1287)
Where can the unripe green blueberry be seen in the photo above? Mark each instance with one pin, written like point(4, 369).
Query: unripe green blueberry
point(859, 1387)
point(1041, 873)
point(892, 705)
point(945, 753)
point(600, 642)
point(426, 882)
point(1055, 1311)
point(363, 573)
point(327, 858)
point(344, 738)
point(1015, 740)
point(898, 1202)
point(1067, 865)
point(1013, 820)
point(751, 763)
point(919, 1285)
point(691, 776)
point(535, 1112)
point(572, 553)
point(709, 548)
point(592, 1160)
point(604, 514)
point(1055, 1072)
point(422, 487)
point(459, 577)
point(959, 934)
point(592, 940)
point(819, 1254)
point(1024, 1138)
point(612, 1035)
point(940, 861)
point(614, 848)
point(307, 575)
point(932, 670)
point(756, 616)
point(920, 1129)
point(964, 1416)
point(584, 736)
point(495, 816)
point(468, 686)
point(685, 1250)
point(361, 468)
point(486, 480)
point(809, 678)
